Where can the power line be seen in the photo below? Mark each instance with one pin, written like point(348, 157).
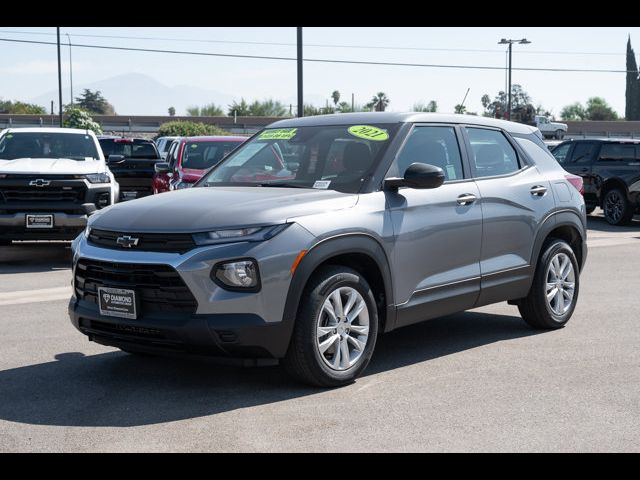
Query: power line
point(324, 45)
point(323, 60)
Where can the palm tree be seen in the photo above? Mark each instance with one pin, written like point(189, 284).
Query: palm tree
point(336, 97)
point(379, 102)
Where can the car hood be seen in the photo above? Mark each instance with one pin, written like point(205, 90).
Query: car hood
point(51, 166)
point(205, 208)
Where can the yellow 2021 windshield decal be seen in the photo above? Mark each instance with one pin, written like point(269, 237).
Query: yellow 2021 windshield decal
point(369, 133)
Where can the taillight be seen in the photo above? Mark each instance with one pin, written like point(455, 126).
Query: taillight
point(123, 140)
point(577, 182)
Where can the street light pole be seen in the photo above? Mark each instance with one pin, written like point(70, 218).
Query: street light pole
point(70, 69)
point(300, 96)
point(510, 42)
point(59, 77)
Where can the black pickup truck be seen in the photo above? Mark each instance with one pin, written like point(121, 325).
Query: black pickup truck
point(131, 160)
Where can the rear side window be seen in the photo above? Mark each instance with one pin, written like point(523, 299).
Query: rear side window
point(616, 152)
point(492, 154)
point(433, 145)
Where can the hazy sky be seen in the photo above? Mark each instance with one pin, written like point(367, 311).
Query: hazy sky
point(27, 71)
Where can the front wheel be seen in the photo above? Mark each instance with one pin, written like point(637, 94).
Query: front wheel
point(617, 209)
point(335, 331)
point(554, 292)
point(559, 134)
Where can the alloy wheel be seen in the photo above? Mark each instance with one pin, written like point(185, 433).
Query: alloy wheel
point(561, 283)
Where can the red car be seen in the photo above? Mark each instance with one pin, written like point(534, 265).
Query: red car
point(189, 159)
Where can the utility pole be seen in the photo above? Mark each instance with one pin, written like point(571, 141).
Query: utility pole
point(510, 42)
point(59, 77)
point(300, 103)
point(70, 70)
point(352, 102)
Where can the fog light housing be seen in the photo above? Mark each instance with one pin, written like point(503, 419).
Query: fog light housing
point(240, 275)
point(104, 200)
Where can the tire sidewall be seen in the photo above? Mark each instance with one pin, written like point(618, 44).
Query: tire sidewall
point(552, 250)
point(624, 200)
point(318, 296)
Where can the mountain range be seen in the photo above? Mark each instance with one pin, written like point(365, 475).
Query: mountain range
point(140, 94)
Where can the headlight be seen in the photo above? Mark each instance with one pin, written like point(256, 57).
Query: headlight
point(98, 178)
point(240, 275)
point(249, 234)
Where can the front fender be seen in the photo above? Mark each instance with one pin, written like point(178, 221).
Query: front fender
point(331, 247)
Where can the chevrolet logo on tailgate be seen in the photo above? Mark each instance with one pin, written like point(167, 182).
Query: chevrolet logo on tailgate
point(40, 182)
point(127, 241)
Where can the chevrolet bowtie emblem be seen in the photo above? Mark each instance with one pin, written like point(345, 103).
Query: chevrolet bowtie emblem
point(127, 241)
point(40, 182)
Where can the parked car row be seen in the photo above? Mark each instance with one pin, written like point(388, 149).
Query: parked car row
point(53, 179)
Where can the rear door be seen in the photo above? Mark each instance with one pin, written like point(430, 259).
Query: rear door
point(515, 197)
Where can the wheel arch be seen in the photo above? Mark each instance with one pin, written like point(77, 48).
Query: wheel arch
point(610, 184)
point(359, 251)
point(566, 225)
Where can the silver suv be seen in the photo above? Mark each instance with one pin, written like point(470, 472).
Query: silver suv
point(319, 233)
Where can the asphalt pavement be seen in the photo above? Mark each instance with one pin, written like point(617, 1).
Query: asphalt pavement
point(476, 381)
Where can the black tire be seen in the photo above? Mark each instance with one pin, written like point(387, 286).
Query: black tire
point(617, 208)
point(534, 308)
point(559, 134)
point(303, 360)
point(590, 210)
point(5, 243)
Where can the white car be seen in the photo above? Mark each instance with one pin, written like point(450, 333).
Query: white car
point(551, 129)
point(51, 181)
point(163, 144)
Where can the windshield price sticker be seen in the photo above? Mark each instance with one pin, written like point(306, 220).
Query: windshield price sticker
point(322, 184)
point(278, 134)
point(369, 133)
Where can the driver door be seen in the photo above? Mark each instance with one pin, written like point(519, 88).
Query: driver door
point(438, 232)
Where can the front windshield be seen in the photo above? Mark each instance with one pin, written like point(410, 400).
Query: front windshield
point(323, 157)
point(74, 146)
point(204, 155)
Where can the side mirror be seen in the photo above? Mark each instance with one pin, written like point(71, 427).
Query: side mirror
point(161, 167)
point(115, 158)
point(417, 175)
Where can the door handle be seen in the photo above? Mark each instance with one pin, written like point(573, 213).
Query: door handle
point(585, 169)
point(538, 190)
point(466, 199)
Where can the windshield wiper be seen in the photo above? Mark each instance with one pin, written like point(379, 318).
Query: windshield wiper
point(283, 185)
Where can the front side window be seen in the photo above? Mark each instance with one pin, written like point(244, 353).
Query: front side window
point(492, 154)
point(204, 155)
point(73, 146)
point(561, 152)
point(583, 152)
point(337, 158)
point(436, 146)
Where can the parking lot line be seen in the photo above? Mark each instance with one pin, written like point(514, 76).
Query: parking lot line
point(33, 296)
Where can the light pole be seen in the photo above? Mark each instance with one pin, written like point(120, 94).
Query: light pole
point(59, 77)
point(70, 69)
point(510, 42)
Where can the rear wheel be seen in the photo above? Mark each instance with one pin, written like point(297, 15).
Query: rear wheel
point(617, 209)
point(559, 134)
point(335, 331)
point(554, 292)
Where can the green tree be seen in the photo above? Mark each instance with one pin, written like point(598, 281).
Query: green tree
point(210, 110)
point(574, 112)
point(189, 129)
point(597, 108)
point(432, 106)
point(520, 102)
point(379, 102)
point(241, 109)
point(632, 93)
point(267, 108)
point(95, 103)
point(459, 108)
point(75, 117)
point(21, 108)
point(172, 112)
point(335, 97)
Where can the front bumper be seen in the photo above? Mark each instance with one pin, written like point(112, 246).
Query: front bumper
point(215, 335)
point(224, 323)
